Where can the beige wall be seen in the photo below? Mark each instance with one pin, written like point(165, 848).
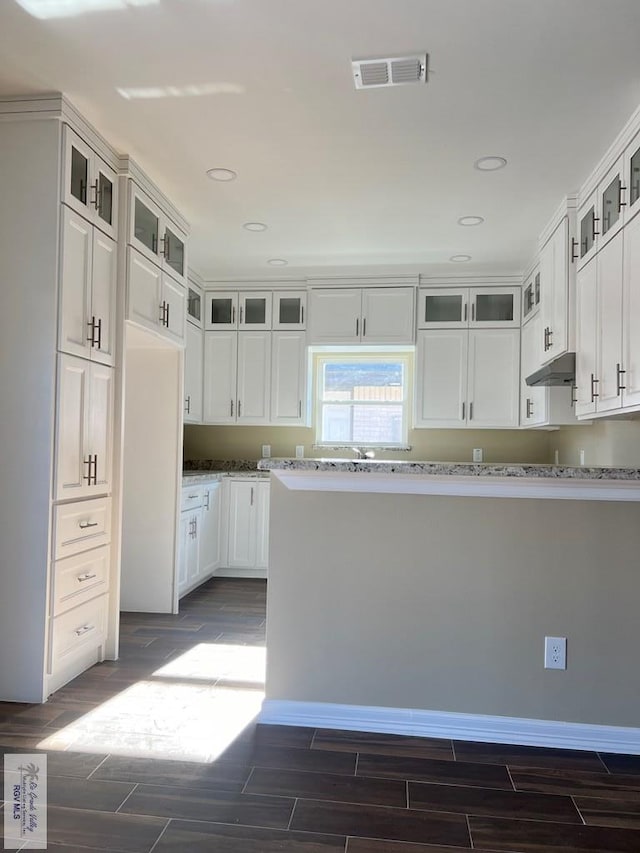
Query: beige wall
point(614, 443)
point(441, 603)
point(244, 442)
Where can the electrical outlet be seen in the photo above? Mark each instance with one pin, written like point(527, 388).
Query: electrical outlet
point(556, 457)
point(478, 455)
point(555, 652)
point(266, 451)
point(299, 451)
point(581, 453)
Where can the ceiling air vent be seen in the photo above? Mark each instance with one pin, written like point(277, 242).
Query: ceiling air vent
point(396, 71)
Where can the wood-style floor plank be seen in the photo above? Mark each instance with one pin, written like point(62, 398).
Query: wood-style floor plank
point(328, 786)
point(426, 770)
point(382, 744)
point(186, 837)
point(527, 836)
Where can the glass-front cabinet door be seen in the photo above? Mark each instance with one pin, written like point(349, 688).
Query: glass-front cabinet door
point(495, 306)
point(529, 300)
point(632, 175)
point(289, 309)
point(173, 252)
point(589, 230)
point(103, 197)
point(221, 311)
point(89, 184)
point(612, 197)
point(146, 228)
point(194, 305)
point(254, 310)
point(443, 308)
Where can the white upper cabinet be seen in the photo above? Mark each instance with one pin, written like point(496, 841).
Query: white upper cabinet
point(531, 296)
point(494, 378)
point(630, 368)
point(254, 374)
point(288, 378)
point(84, 428)
point(254, 311)
point(153, 234)
point(220, 376)
point(632, 179)
point(556, 282)
point(541, 406)
point(87, 290)
point(244, 310)
point(586, 340)
point(221, 311)
point(441, 378)
point(155, 300)
point(463, 307)
point(361, 315)
point(602, 213)
point(193, 361)
point(194, 304)
point(289, 310)
point(89, 184)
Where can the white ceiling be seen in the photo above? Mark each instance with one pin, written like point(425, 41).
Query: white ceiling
point(344, 179)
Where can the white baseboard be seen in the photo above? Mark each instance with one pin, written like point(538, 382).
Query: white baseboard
point(452, 726)
point(261, 574)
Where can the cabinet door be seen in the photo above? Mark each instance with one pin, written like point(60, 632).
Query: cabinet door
point(104, 197)
point(144, 290)
point(99, 440)
point(611, 202)
point(494, 306)
point(254, 377)
point(72, 466)
point(194, 305)
point(631, 313)
point(334, 316)
point(441, 378)
point(632, 179)
point(193, 357)
point(103, 298)
point(220, 369)
point(173, 252)
point(76, 172)
point(443, 308)
point(609, 347)
point(554, 277)
point(175, 316)
point(254, 311)
point(262, 524)
point(221, 311)
point(388, 315)
point(144, 216)
point(288, 378)
point(186, 528)
point(494, 378)
point(289, 309)
point(193, 548)
point(588, 228)
point(586, 339)
point(210, 530)
point(242, 524)
point(74, 332)
point(532, 400)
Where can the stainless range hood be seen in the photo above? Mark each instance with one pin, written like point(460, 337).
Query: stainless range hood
point(561, 371)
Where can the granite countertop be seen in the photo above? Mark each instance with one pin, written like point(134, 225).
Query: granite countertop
point(381, 466)
point(203, 475)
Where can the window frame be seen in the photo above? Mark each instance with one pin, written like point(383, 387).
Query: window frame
point(324, 355)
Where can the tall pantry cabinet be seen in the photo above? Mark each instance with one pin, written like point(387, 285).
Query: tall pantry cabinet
point(58, 268)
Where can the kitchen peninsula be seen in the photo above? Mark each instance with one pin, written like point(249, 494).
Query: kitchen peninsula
point(415, 597)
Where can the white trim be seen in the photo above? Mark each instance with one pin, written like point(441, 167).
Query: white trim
point(363, 281)
point(455, 486)
point(442, 724)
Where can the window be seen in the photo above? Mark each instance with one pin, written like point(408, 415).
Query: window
point(362, 399)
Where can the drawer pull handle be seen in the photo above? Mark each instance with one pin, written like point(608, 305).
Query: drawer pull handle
point(86, 577)
point(192, 497)
point(84, 630)
point(84, 524)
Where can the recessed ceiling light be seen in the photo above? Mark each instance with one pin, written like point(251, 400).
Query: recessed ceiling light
point(460, 259)
point(490, 164)
point(255, 226)
point(471, 220)
point(277, 262)
point(222, 174)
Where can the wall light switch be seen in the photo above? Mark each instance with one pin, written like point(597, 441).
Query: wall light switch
point(266, 451)
point(299, 451)
point(478, 455)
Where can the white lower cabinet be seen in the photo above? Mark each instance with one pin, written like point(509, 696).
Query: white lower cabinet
point(76, 640)
point(247, 513)
point(199, 535)
point(467, 378)
point(79, 578)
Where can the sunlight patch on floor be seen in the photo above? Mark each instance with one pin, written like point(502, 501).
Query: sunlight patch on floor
point(191, 709)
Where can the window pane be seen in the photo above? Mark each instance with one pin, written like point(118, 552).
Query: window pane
point(371, 381)
point(363, 424)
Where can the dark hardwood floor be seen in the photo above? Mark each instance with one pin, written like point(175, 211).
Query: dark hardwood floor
point(160, 751)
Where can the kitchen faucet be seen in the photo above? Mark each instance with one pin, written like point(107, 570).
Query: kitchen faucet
point(361, 453)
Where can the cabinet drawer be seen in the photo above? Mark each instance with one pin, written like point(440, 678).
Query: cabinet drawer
point(80, 578)
point(80, 526)
point(77, 630)
point(191, 497)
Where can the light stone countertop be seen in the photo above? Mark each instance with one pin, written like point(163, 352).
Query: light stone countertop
point(458, 469)
point(190, 478)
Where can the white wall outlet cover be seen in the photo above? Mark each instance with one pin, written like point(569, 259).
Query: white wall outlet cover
point(555, 652)
point(581, 453)
point(266, 451)
point(299, 451)
point(478, 454)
